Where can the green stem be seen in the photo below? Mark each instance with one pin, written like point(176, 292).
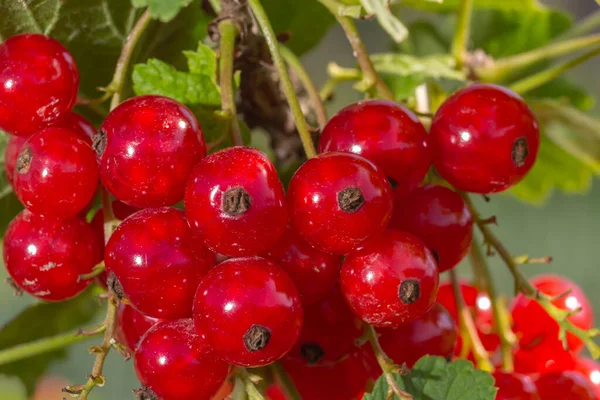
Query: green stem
point(239, 390)
point(251, 390)
point(505, 67)
point(216, 5)
point(285, 382)
point(313, 93)
point(96, 271)
point(288, 87)
point(370, 76)
point(109, 216)
point(42, 346)
point(462, 32)
point(228, 32)
point(502, 327)
point(586, 25)
point(536, 80)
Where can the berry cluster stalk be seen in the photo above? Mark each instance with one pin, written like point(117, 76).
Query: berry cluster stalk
point(461, 34)
point(229, 32)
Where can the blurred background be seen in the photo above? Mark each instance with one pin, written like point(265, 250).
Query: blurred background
point(565, 227)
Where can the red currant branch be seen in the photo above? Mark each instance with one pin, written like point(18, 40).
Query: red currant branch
point(522, 284)
point(288, 87)
point(461, 33)
point(285, 382)
point(468, 331)
point(96, 271)
point(228, 32)
point(582, 27)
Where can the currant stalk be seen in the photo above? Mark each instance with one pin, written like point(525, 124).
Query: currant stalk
point(229, 33)
point(462, 31)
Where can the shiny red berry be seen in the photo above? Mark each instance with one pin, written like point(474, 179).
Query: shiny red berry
point(338, 200)
point(38, 83)
point(439, 217)
point(525, 310)
point(434, 333)
point(131, 326)
point(11, 153)
point(329, 332)
point(484, 139)
point(77, 124)
point(45, 256)
point(314, 272)
point(249, 310)
point(391, 281)
point(56, 173)
point(158, 262)
point(147, 147)
point(591, 370)
point(567, 385)
point(543, 356)
point(175, 362)
point(512, 386)
point(235, 201)
point(387, 134)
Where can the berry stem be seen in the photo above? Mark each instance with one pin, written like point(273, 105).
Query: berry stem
point(296, 65)
point(507, 337)
point(109, 216)
point(228, 32)
point(387, 365)
point(462, 32)
point(536, 80)
point(239, 390)
point(582, 27)
point(370, 76)
point(285, 382)
point(45, 345)
point(288, 87)
point(251, 390)
point(468, 331)
point(522, 284)
point(97, 270)
point(337, 75)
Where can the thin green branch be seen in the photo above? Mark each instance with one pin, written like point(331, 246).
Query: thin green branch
point(370, 76)
point(462, 32)
point(285, 382)
point(239, 390)
point(45, 345)
point(523, 285)
point(228, 32)
point(536, 80)
point(251, 390)
point(582, 27)
point(296, 65)
point(96, 271)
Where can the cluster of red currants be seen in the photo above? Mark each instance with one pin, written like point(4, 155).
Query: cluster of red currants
point(247, 274)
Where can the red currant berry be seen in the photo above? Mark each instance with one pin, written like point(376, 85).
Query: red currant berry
point(525, 310)
point(176, 363)
point(338, 200)
point(314, 273)
point(480, 307)
point(591, 370)
point(11, 153)
point(329, 332)
point(385, 133)
point(38, 83)
point(439, 217)
point(513, 386)
point(45, 256)
point(235, 201)
point(434, 333)
point(77, 124)
point(391, 281)
point(56, 173)
point(274, 392)
point(545, 356)
point(158, 262)
point(567, 385)
point(484, 138)
point(131, 326)
point(147, 147)
point(249, 310)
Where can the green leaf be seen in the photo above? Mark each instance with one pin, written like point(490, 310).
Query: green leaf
point(306, 21)
point(565, 92)
point(44, 320)
point(157, 77)
point(434, 378)
point(387, 20)
point(203, 61)
point(452, 5)
point(165, 10)
point(12, 389)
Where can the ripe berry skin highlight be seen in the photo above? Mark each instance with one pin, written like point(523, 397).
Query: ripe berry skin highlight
point(176, 363)
point(439, 217)
point(249, 310)
point(158, 262)
point(391, 281)
point(77, 124)
point(484, 139)
point(591, 370)
point(524, 310)
point(387, 134)
point(45, 256)
point(38, 83)
point(314, 272)
point(338, 200)
point(56, 173)
point(131, 326)
point(235, 202)
point(567, 385)
point(512, 386)
point(146, 148)
point(434, 333)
